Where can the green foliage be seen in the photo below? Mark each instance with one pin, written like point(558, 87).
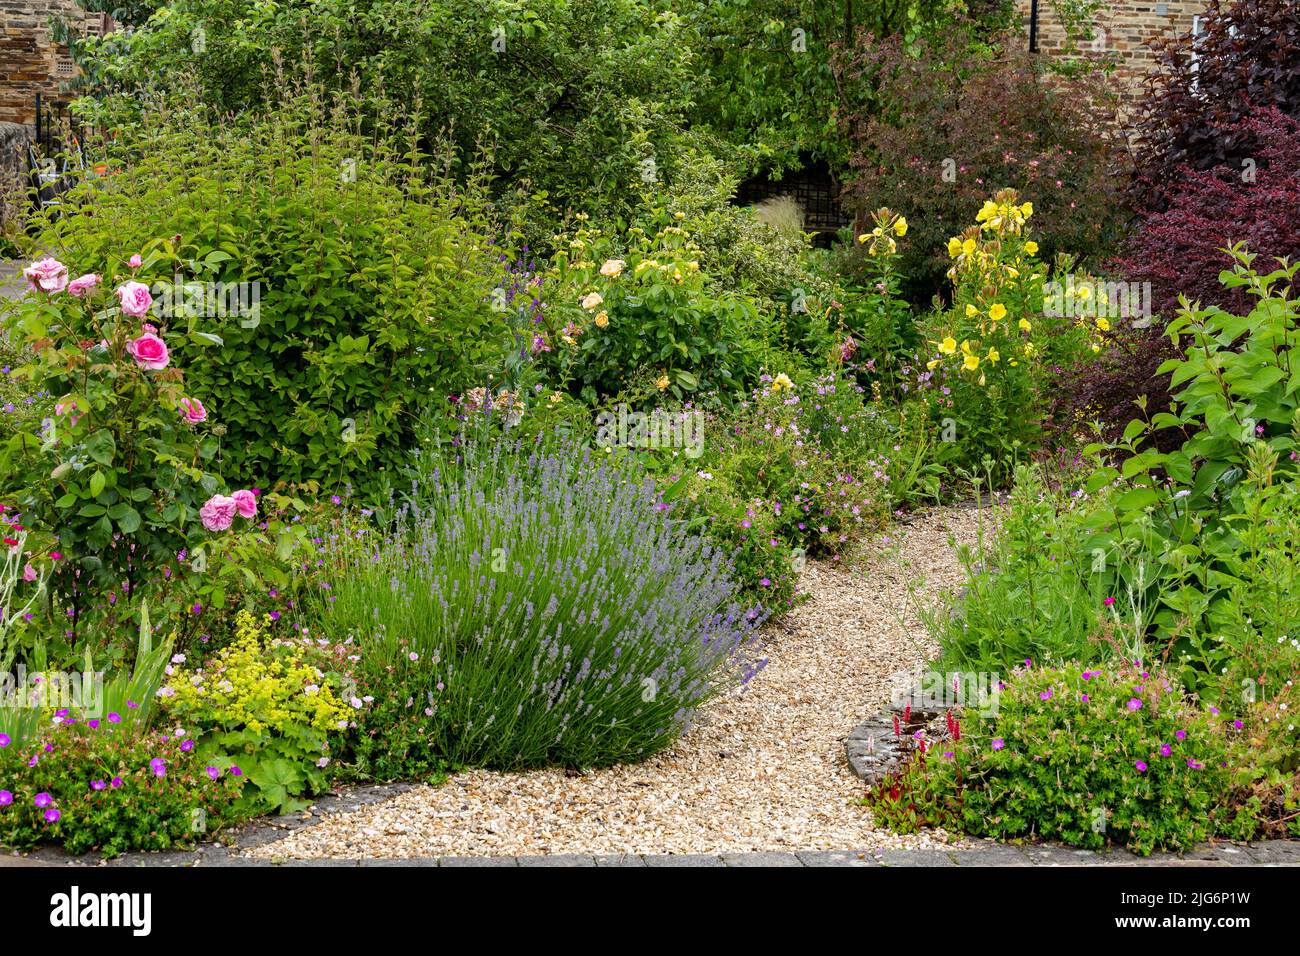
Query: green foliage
point(116, 473)
point(1085, 756)
point(362, 279)
point(110, 788)
point(266, 708)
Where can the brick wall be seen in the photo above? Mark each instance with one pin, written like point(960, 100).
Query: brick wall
point(1127, 24)
point(30, 61)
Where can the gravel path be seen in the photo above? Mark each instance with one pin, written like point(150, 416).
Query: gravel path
point(763, 769)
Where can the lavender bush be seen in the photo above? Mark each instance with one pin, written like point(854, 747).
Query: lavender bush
point(531, 607)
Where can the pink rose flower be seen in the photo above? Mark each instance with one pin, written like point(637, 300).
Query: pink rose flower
point(79, 286)
point(29, 573)
point(218, 513)
point(193, 410)
point(48, 275)
point(149, 351)
point(136, 261)
point(245, 503)
point(135, 299)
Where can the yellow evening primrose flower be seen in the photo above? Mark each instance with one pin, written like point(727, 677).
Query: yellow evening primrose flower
point(993, 355)
point(1096, 347)
point(971, 362)
point(592, 299)
point(602, 319)
point(1025, 326)
point(981, 379)
point(954, 247)
point(987, 211)
point(900, 227)
point(1027, 209)
point(1031, 247)
point(968, 247)
point(1084, 291)
point(1103, 323)
point(948, 346)
point(998, 312)
point(864, 237)
point(932, 364)
point(971, 311)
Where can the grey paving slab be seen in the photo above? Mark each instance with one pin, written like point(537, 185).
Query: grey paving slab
point(760, 859)
point(682, 859)
point(619, 859)
point(837, 858)
point(497, 861)
point(915, 858)
point(558, 859)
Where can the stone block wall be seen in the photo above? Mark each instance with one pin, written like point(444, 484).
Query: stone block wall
point(1121, 27)
point(31, 61)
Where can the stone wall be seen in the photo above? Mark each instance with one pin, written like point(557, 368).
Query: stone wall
point(1122, 27)
point(30, 61)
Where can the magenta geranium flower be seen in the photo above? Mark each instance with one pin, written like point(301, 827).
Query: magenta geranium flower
point(1166, 750)
point(1141, 766)
point(115, 782)
point(98, 785)
point(6, 798)
point(1134, 704)
point(4, 740)
point(43, 800)
point(998, 743)
point(52, 815)
point(158, 766)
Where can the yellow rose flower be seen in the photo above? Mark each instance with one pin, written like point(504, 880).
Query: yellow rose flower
point(602, 319)
point(998, 312)
point(591, 300)
point(1031, 247)
point(612, 268)
point(556, 398)
point(782, 381)
point(661, 382)
point(948, 346)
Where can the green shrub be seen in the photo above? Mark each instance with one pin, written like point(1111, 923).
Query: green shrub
point(363, 284)
point(1084, 756)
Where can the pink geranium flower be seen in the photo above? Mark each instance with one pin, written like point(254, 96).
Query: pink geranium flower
point(218, 513)
point(149, 351)
point(135, 299)
point(47, 275)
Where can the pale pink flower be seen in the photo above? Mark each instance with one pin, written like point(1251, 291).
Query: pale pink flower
point(79, 286)
point(29, 573)
point(135, 299)
point(193, 411)
point(149, 351)
point(245, 503)
point(218, 513)
point(47, 275)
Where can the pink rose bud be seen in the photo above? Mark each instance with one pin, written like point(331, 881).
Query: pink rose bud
point(136, 261)
point(135, 299)
point(193, 410)
point(245, 503)
point(218, 513)
point(47, 275)
point(79, 286)
point(149, 351)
